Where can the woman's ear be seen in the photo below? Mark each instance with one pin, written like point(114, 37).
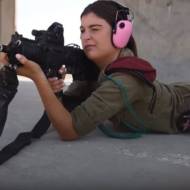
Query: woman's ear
point(122, 33)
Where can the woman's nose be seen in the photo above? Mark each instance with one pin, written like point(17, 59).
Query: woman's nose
point(85, 35)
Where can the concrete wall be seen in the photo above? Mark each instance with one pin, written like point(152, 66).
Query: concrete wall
point(7, 20)
point(162, 32)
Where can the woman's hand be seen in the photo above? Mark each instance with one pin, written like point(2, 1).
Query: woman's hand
point(56, 84)
point(32, 70)
point(29, 68)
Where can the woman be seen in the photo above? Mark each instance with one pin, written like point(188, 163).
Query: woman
point(122, 100)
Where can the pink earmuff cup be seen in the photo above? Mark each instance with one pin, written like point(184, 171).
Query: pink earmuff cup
point(122, 34)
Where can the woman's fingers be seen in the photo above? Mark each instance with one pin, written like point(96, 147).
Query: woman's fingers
point(63, 71)
point(56, 84)
point(29, 68)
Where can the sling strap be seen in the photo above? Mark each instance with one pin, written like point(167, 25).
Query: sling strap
point(26, 138)
point(138, 68)
point(142, 70)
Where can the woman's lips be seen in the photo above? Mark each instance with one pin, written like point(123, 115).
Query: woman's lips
point(89, 47)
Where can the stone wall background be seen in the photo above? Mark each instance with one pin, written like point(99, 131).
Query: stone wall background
point(7, 20)
point(162, 33)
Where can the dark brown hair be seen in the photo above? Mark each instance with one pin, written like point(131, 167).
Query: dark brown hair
point(107, 10)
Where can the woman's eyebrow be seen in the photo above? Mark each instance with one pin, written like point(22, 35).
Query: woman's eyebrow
point(91, 26)
point(95, 25)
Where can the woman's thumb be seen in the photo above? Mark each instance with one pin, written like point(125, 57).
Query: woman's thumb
point(21, 58)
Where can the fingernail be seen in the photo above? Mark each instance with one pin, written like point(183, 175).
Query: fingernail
point(18, 56)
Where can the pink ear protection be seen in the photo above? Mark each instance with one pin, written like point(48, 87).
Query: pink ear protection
point(123, 30)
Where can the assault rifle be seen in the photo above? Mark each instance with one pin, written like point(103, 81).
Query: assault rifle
point(49, 51)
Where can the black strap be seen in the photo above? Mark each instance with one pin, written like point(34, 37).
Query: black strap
point(26, 138)
point(140, 75)
point(41, 126)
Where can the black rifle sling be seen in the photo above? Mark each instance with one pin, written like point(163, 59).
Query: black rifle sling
point(26, 138)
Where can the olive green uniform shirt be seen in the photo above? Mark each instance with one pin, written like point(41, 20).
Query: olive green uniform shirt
point(107, 103)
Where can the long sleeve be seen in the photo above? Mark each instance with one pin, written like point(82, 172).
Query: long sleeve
point(104, 103)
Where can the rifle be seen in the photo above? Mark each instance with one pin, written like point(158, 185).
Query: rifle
point(49, 51)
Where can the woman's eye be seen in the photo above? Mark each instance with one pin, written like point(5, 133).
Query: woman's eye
point(82, 31)
point(94, 29)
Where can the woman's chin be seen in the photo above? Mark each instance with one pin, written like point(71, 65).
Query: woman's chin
point(91, 56)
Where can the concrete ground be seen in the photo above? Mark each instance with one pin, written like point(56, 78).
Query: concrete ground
point(91, 163)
